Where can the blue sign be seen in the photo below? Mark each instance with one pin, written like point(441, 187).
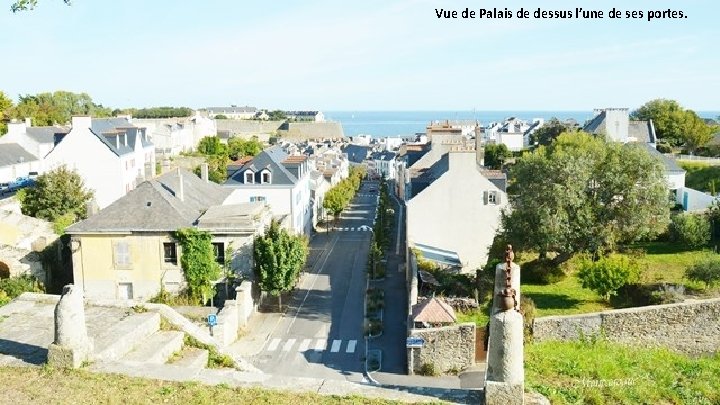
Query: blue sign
point(414, 342)
point(212, 319)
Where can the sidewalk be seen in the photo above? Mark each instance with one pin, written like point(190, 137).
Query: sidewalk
point(257, 332)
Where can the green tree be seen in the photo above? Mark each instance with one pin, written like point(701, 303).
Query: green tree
point(212, 146)
point(6, 106)
point(495, 155)
point(547, 133)
point(22, 5)
point(238, 147)
point(279, 257)
point(56, 194)
point(217, 168)
point(584, 194)
point(198, 262)
point(706, 271)
point(696, 132)
point(221, 117)
point(691, 230)
point(607, 275)
point(674, 124)
point(277, 115)
point(57, 108)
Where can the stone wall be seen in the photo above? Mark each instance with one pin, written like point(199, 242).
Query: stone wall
point(312, 130)
point(447, 348)
point(692, 327)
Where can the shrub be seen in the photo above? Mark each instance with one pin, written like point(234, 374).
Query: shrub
point(667, 294)
point(706, 270)
point(428, 369)
point(528, 311)
point(664, 147)
point(607, 275)
point(690, 229)
point(541, 271)
point(14, 286)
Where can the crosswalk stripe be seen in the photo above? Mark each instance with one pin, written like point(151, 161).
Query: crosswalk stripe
point(351, 346)
point(320, 345)
point(335, 346)
point(288, 345)
point(304, 345)
point(273, 345)
point(352, 229)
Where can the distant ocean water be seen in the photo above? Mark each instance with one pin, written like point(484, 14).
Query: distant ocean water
point(401, 123)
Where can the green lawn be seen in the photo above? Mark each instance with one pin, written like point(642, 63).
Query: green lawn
point(699, 175)
point(608, 373)
point(565, 297)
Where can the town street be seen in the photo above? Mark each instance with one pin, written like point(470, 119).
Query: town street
point(321, 333)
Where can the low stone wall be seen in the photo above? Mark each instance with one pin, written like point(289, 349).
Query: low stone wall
point(692, 327)
point(447, 348)
point(312, 130)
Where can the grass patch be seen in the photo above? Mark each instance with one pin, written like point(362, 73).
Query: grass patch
point(699, 175)
point(215, 359)
point(566, 297)
point(601, 372)
point(45, 385)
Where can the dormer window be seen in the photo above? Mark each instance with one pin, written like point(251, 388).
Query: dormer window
point(265, 176)
point(249, 177)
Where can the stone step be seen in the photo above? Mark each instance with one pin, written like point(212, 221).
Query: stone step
point(193, 358)
point(119, 339)
point(157, 348)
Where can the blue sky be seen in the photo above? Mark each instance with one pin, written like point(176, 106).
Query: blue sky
point(368, 55)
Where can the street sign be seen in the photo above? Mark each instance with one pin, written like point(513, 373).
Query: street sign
point(212, 320)
point(414, 342)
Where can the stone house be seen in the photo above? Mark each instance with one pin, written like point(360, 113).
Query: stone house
point(432, 312)
point(127, 250)
point(233, 112)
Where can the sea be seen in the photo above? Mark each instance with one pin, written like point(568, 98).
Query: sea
point(380, 124)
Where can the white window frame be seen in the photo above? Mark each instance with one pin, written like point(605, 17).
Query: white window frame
point(251, 177)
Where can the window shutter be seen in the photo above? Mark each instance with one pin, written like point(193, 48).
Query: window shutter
point(498, 198)
point(485, 197)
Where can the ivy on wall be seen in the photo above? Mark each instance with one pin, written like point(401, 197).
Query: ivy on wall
point(198, 262)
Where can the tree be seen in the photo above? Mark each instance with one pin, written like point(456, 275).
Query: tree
point(278, 257)
point(674, 124)
point(607, 275)
point(238, 147)
point(57, 193)
point(277, 115)
point(6, 106)
point(212, 146)
point(198, 262)
point(221, 117)
point(706, 271)
point(217, 168)
point(22, 5)
point(495, 155)
point(57, 108)
point(696, 132)
point(547, 133)
point(691, 230)
point(584, 194)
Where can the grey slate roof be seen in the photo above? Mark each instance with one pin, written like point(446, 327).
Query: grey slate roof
point(271, 159)
point(104, 127)
point(45, 134)
point(232, 110)
point(384, 155)
point(155, 205)
point(671, 165)
point(356, 153)
point(12, 153)
point(643, 131)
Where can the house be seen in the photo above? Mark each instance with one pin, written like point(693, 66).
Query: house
point(280, 180)
point(433, 312)
point(357, 154)
point(174, 135)
point(127, 250)
point(314, 116)
point(383, 164)
point(432, 164)
point(319, 185)
point(111, 155)
point(38, 141)
point(454, 219)
point(232, 112)
point(16, 162)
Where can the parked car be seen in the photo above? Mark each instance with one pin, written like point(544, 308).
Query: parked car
point(21, 182)
point(33, 175)
point(4, 188)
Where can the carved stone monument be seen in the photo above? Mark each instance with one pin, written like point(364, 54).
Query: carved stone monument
point(505, 377)
point(72, 346)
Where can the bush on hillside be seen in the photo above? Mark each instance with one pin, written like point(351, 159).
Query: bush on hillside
point(608, 274)
point(692, 230)
point(706, 271)
point(542, 272)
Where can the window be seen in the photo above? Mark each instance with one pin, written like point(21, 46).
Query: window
point(258, 198)
point(170, 253)
point(492, 197)
point(121, 254)
point(219, 249)
point(249, 177)
point(265, 177)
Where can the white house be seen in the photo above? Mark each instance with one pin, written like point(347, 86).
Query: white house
point(280, 180)
point(233, 112)
point(38, 141)
point(383, 164)
point(16, 162)
point(110, 155)
point(454, 219)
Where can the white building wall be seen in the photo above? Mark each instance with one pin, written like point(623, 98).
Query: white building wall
point(460, 221)
point(278, 197)
point(513, 141)
point(694, 200)
point(675, 180)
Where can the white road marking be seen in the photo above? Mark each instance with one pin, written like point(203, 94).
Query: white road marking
point(273, 345)
point(288, 345)
point(320, 345)
point(336, 346)
point(304, 345)
point(351, 346)
point(352, 229)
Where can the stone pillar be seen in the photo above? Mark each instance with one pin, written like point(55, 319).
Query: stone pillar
point(72, 346)
point(505, 376)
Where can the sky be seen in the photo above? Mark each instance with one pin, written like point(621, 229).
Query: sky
point(361, 55)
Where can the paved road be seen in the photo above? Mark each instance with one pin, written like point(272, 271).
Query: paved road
point(321, 334)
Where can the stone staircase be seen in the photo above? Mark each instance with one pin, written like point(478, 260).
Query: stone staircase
point(138, 341)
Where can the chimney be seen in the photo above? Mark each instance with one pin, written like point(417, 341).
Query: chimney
point(117, 141)
point(28, 122)
point(81, 121)
point(125, 136)
point(204, 169)
point(15, 127)
point(181, 188)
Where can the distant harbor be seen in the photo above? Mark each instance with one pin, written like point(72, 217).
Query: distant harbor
point(402, 123)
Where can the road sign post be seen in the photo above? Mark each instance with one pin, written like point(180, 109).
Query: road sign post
point(412, 343)
point(211, 321)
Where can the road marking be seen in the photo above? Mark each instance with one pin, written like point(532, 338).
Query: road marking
point(336, 346)
point(288, 345)
point(320, 345)
point(304, 345)
point(352, 229)
point(351, 346)
point(273, 345)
